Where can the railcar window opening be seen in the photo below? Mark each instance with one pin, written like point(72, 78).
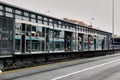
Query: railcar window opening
point(39, 31)
point(28, 30)
point(86, 30)
point(77, 28)
point(62, 26)
point(35, 45)
point(55, 24)
point(81, 29)
point(70, 27)
point(33, 28)
point(89, 30)
point(51, 33)
point(92, 31)
point(43, 32)
point(65, 26)
point(18, 27)
point(17, 45)
point(23, 27)
point(28, 27)
point(73, 28)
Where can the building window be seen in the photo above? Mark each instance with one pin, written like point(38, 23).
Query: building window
point(33, 15)
point(33, 20)
point(26, 18)
point(55, 25)
point(8, 14)
point(1, 7)
point(87, 30)
point(18, 17)
point(8, 9)
point(59, 22)
point(45, 23)
point(59, 26)
point(51, 24)
point(40, 17)
point(26, 14)
point(63, 27)
point(79, 28)
point(50, 20)
point(39, 21)
point(45, 19)
point(18, 12)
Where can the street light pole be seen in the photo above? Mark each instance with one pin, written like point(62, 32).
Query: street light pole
point(113, 23)
point(91, 21)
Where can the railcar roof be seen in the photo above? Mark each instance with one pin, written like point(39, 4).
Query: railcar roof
point(28, 10)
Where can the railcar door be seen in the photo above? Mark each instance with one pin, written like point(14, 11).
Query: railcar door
point(6, 36)
point(80, 42)
point(46, 32)
point(68, 41)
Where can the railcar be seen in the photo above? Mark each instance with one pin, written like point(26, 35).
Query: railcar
point(25, 32)
point(115, 42)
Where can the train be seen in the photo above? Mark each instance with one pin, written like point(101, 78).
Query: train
point(27, 36)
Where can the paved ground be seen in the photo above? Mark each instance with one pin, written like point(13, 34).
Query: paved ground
point(99, 68)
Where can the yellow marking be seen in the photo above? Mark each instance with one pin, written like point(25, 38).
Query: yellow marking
point(23, 69)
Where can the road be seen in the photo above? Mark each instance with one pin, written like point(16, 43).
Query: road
point(98, 68)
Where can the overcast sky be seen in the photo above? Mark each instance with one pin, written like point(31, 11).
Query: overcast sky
point(82, 10)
